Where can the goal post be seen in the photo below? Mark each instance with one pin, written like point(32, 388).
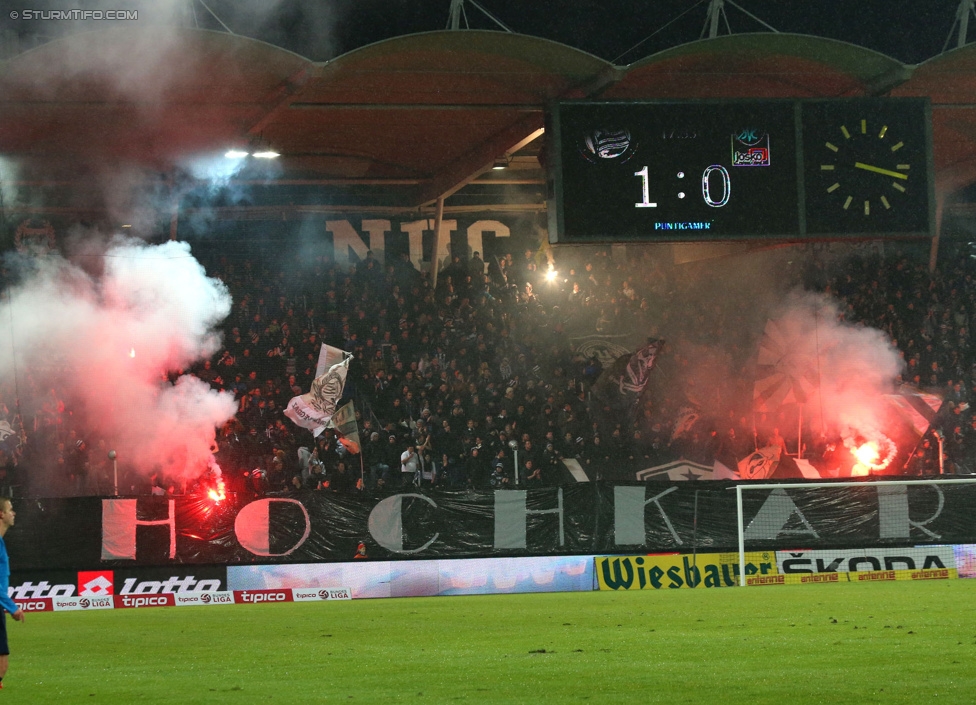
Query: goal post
point(891, 521)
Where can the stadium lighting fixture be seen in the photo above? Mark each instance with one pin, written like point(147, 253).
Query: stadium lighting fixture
point(500, 163)
point(235, 154)
point(266, 154)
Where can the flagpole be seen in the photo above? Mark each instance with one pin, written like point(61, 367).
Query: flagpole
point(115, 472)
point(799, 431)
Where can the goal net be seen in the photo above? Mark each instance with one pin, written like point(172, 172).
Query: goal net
point(814, 515)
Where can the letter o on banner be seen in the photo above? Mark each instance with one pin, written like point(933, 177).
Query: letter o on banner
point(253, 526)
point(386, 523)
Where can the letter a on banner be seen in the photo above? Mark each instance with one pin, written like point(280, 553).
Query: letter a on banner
point(773, 517)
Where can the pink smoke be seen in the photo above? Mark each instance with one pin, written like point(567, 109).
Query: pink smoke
point(849, 367)
point(111, 341)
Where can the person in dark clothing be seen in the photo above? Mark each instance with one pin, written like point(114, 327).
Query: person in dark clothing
point(7, 516)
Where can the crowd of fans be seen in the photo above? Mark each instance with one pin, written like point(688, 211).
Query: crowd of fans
point(451, 383)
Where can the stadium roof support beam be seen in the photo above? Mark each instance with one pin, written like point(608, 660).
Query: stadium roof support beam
point(481, 158)
point(457, 13)
point(963, 12)
point(883, 83)
point(716, 11)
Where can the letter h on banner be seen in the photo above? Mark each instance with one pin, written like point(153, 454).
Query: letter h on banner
point(119, 522)
point(511, 517)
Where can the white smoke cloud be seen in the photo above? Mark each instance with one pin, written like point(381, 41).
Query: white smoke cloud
point(109, 339)
point(850, 367)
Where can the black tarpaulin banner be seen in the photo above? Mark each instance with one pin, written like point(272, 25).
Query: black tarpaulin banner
point(588, 518)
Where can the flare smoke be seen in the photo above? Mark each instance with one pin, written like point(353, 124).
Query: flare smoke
point(110, 343)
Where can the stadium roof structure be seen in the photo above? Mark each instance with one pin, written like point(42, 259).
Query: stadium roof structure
point(394, 126)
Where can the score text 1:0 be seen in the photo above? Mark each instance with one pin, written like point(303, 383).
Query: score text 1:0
point(706, 189)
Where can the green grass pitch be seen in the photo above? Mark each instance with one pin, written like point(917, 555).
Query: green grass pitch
point(886, 643)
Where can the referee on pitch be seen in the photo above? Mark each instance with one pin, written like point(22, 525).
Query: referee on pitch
point(7, 516)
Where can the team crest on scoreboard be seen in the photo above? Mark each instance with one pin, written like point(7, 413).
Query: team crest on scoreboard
point(608, 144)
point(750, 147)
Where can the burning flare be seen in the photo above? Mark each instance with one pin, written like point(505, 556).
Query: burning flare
point(871, 454)
point(217, 491)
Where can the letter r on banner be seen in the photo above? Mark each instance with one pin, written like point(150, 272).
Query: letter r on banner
point(893, 517)
point(119, 522)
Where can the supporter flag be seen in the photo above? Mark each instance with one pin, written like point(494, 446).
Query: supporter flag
point(9, 438)
point(344, 422)
point(761, 464)
point(687, 418)
point(314, 410)
point(916, 408)
point(635, 376)
point(786, 372)
point(910, 415)
point(328, 356)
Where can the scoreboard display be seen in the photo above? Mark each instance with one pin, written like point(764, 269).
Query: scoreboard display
point(738, 170)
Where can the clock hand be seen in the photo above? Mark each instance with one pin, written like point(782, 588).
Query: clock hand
point(879, 170)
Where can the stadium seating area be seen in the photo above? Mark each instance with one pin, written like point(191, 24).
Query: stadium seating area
point(484, 362)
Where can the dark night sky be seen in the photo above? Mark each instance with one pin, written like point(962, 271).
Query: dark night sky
point(908, 30)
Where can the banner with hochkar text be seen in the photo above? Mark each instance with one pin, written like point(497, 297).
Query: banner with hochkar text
point(586, 518)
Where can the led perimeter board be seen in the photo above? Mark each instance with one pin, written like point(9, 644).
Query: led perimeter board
point(740, 170)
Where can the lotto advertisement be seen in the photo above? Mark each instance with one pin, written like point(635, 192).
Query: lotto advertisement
point(60, 591)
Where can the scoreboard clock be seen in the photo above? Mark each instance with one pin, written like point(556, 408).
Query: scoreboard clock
point(788, 170)
point(866, 167)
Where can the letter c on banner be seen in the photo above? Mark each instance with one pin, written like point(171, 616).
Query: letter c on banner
point(386, 523)
point(253, 526)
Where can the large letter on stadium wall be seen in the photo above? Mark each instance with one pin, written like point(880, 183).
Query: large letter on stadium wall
point(119, 524)
point(386, 523)
point(773, 516)
point(894, 521)
point(628, 515)
point(511, 516)
point(415, 230)
point(344, 237)
point(476, 234)
point(253, 526)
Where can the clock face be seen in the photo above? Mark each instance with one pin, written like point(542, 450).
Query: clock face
point(865, 167)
